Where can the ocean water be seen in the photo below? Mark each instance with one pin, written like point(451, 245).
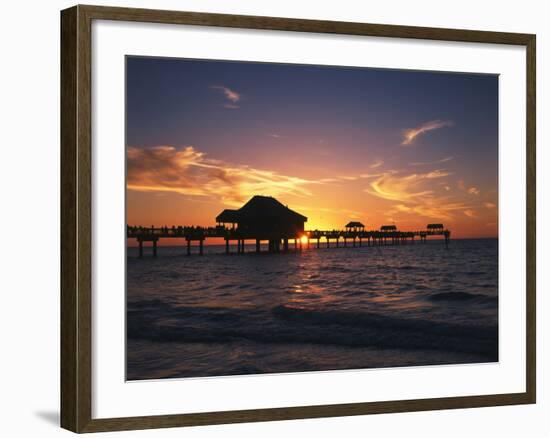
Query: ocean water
point(318, 309)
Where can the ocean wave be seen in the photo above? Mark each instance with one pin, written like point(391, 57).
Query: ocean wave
point(163, 322)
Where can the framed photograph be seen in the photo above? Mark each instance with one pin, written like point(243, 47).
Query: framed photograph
point(268, 219)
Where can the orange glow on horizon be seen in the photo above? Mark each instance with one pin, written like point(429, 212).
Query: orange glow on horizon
point(171, 186)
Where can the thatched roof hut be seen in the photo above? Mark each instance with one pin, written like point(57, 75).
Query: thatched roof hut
point(267, 207)
point(433, 227)
point(265, 217)
point(388, 228)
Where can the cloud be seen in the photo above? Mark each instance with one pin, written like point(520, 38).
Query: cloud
point(470, 213)
point(377, 175)
point(231, 95)
point(409, 135)
point(187, 171)
point(432, 208)
point(348, 178)
point(274, 135)
point(490, 205)
point(376, 164)
point(404, 188)
point(344, 178)
point(470, 190)
point(424, 163)
point(416, 194)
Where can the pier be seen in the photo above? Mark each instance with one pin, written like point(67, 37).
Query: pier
point(265, 220)
point(194, 238)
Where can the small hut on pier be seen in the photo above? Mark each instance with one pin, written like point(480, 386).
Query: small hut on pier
point(435, 227)
point(355, 227)
point(388, 228)
point(263, 217)
point(228, 217)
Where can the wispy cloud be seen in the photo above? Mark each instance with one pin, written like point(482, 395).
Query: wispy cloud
point(361, 176)
point(470, 213)
point(348, 178)
point(376, 164)
point(404, 187)
point(490, 205)
point(231, 95)
point(377, 175)
point(409, 135)
point(416, 194)
point(473, 191)
point(274, 135)
point(430, 163)
point(433, 208)
point(190, 172)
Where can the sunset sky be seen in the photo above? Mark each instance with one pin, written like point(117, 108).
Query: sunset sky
point(333, 143)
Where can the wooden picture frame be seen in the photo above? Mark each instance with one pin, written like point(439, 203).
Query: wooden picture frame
point(76, 218)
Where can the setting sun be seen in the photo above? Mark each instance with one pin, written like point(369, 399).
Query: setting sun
point(304, 239)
